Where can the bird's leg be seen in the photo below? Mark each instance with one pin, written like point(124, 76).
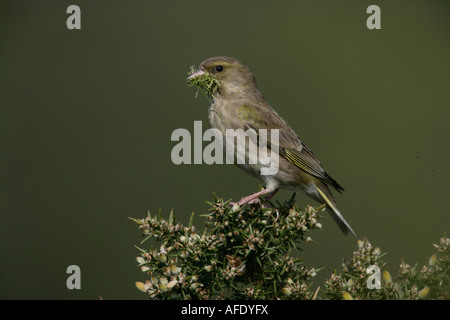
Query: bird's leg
point(268, 200)
point(271, 195)
point(251, 198)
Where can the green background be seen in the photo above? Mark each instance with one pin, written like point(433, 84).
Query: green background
point(86, 118)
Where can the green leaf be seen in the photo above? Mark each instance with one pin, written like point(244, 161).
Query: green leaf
point(138, 221)
point(140, 249)
point(146, 238)
point(171, 217)
point(191, 220)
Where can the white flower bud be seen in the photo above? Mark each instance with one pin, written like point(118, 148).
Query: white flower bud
point(141, 286)
point(195, 285)
point(174, 269)
point(171, 284)
point(433, 260)
point(346, 296)
point(424, 292)
point(140, 260)
point(163, 280)
point(286, 291)
point(162, 287)
point(162, 257)
point(145, 268)
point(209, 268)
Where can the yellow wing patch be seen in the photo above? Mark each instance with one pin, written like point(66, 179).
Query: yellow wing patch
point(294, 158)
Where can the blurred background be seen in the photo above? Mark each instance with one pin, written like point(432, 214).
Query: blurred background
point(86, 118)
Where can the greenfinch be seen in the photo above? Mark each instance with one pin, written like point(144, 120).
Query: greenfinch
point(237, 103)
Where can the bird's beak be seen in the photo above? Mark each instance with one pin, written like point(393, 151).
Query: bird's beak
point(197, 73)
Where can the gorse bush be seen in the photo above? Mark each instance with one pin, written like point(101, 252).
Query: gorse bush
point(432, 281)
point(249, 253)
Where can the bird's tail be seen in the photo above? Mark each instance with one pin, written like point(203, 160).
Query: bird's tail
point(336, 214)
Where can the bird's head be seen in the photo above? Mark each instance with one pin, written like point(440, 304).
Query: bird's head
point(233, 77)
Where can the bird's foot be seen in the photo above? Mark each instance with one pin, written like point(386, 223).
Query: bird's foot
point(249, 200)
point(254, 198)
point(244, 201)
point(274, 209)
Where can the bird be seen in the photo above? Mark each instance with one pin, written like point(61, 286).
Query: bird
point(237, 103)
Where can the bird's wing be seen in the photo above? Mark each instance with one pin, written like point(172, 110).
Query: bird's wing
point(264, 117)
point(290, 146)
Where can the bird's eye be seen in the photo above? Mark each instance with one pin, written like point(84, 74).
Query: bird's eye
point(219, 68)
